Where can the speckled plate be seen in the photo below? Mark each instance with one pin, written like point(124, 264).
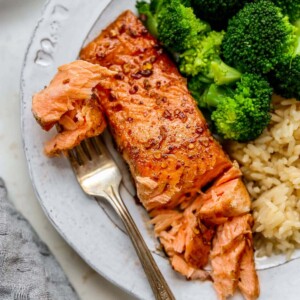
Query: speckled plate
point(93, 230)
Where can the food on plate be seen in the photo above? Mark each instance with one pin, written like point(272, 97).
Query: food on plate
point(231, 74)
point(240, 111)
point(68, 101)
point(172, 22)
point(192, 190)
point(271, 167)
point(217, 12)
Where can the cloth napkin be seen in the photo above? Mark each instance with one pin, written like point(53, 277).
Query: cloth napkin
point(28, 271)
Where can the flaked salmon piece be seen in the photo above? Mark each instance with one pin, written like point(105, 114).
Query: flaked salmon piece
point(180, 265)
point(155, 122)
point(184, 234)
point(230, 245)
point(226, 200)
point(225, 273)
point(248, 279)
point(233, 173)
point(70, 102)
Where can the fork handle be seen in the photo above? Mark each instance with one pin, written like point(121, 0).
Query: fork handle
point(157, 282)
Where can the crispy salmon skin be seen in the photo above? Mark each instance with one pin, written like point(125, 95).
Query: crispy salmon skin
point(194, 194)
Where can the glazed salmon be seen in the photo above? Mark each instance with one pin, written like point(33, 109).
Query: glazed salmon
point(194, 194)
point(156, 124)
point(70, 102)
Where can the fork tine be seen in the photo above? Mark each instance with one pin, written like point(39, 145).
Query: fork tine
point(99, 145)
point(80, 155)
point(72, 158)
point(90, 149)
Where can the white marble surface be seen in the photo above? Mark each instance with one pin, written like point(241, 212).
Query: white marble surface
point(17, 20)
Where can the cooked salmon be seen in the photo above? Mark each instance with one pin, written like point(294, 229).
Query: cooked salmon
point(232, 258)
point(70, 102)
point(195, 196)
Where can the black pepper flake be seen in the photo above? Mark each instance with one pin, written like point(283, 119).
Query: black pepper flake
point(158, 84)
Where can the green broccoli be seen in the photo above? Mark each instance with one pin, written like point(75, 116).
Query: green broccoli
point(240, 112)
point(197, 85)
point(174, 24)
point(217, 12)
point(148, 13)
point(257, 37)
point(203, 59)
point(290, 8)
point(285, 77)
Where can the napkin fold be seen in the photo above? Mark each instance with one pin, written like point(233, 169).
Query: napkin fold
point(28, 270)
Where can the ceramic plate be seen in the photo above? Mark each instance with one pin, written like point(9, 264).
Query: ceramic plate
point(93, 230)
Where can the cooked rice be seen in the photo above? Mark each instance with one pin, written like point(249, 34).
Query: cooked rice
point(271, 169)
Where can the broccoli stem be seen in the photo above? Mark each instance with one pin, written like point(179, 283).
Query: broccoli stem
point(297, 46)
point(224, 74)
point(212, 96)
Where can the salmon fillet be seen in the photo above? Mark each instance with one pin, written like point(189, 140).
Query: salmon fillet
point(195, 196)
point(156, 124)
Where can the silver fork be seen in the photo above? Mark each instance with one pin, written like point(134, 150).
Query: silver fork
point(99, 176)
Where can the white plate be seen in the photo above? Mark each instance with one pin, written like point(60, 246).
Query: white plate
point(94, 231)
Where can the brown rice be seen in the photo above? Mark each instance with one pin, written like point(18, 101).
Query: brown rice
point(271, 169)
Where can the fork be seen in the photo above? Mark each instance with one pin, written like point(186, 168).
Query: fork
point(99, 176)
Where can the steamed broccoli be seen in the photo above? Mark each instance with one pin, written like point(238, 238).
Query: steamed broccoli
point(197, 85)
point(290, 8)
point(217, 12)
point(257, 38)
point(175, 25)
point(285, 77)
point(240, 112)
point(203, 59)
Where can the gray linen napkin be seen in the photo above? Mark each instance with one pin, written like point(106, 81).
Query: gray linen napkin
point(28, 271)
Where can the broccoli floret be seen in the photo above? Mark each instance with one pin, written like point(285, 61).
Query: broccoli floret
point(285, 77)
point(257, 37)
point(204, 60)
point(197, 86)
point(240, 112)
point(290, 8)
point(178, 27)
point(186, 3)
point(172, 22)
point(217, 12)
